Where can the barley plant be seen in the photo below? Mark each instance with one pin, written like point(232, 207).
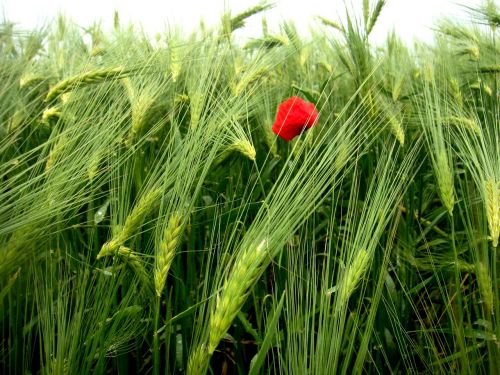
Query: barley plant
point(151, 221)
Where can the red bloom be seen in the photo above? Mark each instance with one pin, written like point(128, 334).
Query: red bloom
point(294, 115)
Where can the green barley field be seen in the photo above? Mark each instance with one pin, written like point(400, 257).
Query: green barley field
point(152, 221)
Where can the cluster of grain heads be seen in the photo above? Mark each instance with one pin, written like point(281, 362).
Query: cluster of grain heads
point(166, 251)
point(83, 79)
point(287, 210)
point(133, 222)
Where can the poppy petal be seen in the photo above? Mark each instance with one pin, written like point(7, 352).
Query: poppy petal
point(294, 115)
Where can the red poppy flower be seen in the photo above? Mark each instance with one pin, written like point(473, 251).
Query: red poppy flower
point(294, 115)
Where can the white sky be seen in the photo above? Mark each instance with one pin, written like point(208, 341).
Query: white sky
point(410, 18)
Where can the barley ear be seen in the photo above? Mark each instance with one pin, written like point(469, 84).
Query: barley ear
point(198, 361)
point(464, 122)
point(166, 252)
point(235, 291)
point(492, 202)
point(485, 287)
point(51, 115)
point(83, 79)
point(352, 276)
point(133, 222)
point(375, 15)
point(243, 146)
point(445, 180)
point(134, 262)
point(238, 21)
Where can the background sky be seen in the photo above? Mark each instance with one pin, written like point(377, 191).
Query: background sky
point(410, 18)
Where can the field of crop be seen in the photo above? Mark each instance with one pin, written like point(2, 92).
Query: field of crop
point(152, 221)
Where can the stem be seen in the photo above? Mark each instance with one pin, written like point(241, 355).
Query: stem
point(156, 341)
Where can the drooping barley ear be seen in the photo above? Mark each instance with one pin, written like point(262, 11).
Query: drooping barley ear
point(352, 276)
point(134, 262)
point(198, 361)
point(487, 89)
point(444, 177)
point(473, 51)
point(166, 252)
point(238, 21)
point(28, 80)
point(492, 202)
point(464, 122)
point(84, 79)
point(268, 42)
point(249, 78)
point(243, 146)
point(133, 222)
point(485, 287)
point(330, 23)
point(326, 66)
point(51, 115)
point(489, 69)
point(463, 266)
